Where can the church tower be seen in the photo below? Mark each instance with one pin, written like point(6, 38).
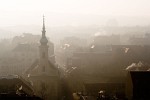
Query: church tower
point(43, 73)
point(43, 49)
point(46, 52)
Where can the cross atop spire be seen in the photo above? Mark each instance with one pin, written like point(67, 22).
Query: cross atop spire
point(43, 29)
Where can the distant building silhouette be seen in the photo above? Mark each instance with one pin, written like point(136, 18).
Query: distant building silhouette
point(107, 40)
point(142, 40)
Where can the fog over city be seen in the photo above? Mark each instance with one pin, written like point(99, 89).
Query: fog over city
point(19, 16)
point(75, 49)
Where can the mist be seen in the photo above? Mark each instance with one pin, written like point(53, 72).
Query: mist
point(75, 49)
point(74, 12)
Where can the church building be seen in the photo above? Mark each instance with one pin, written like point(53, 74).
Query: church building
point(43, 73)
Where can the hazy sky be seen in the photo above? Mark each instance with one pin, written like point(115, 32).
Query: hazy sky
point(111, 7)
point(20, 11)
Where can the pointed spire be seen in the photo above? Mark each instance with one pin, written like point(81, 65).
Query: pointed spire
point(43, 29)
point(43, 40)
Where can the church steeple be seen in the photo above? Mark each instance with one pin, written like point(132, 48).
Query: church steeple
point(43, 29)
point(43, 40)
